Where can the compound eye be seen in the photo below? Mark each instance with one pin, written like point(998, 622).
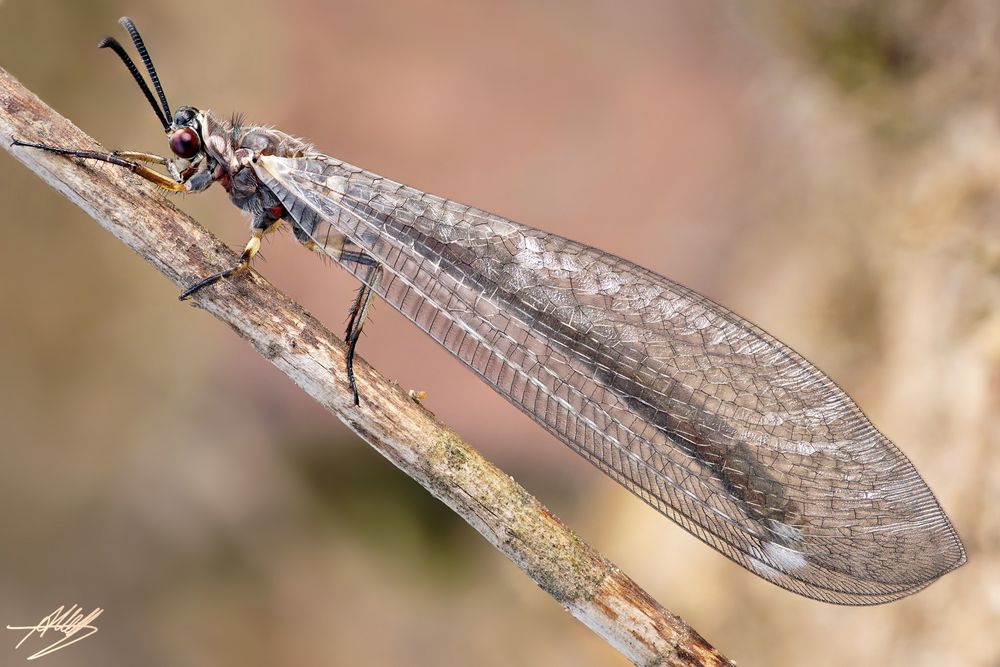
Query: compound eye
point(185, 143)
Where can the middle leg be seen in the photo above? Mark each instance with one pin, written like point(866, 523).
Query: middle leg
point(252, 248)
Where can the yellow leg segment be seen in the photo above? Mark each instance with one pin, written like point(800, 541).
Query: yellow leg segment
point(155, 177)
point(136, 156)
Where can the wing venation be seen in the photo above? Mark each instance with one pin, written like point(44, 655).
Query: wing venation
point(703, 415)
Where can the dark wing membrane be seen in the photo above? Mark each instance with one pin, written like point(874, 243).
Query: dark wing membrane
point(703, 415)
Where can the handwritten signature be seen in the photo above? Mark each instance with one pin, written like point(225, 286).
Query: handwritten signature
point(70, 622)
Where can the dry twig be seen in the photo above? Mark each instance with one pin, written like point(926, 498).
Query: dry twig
point(579, 578)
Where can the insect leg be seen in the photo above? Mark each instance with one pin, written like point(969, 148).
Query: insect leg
point(358, 314)
point(360, 258)
point(336, 245)
point(252, 248)
point(136, 156)
point(119, 159)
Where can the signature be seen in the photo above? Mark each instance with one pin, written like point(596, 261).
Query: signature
point(70, 622)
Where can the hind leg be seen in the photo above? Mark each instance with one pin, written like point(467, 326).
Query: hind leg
point(346, 252)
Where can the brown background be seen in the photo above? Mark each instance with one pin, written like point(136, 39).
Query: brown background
point(827, 169)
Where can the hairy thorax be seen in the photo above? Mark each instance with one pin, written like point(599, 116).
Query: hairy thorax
point(232, 148)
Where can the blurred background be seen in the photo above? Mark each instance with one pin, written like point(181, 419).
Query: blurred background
point(827, 169)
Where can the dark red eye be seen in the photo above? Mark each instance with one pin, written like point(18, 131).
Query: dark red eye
point(185, 143)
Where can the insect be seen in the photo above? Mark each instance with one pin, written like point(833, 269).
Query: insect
point(701, 414)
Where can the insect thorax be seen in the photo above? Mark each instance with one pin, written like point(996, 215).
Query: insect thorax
point(232, 147)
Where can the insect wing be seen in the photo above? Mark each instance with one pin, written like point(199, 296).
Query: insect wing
point(706, 417)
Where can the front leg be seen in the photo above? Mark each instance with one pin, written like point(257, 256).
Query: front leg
point(127, 159)
point(137, 156)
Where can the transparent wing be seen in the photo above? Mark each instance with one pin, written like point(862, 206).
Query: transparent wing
point(706, 417)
